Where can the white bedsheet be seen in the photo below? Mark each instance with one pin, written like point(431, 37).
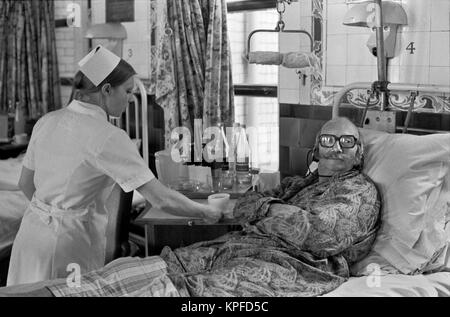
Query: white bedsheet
point(396, 285)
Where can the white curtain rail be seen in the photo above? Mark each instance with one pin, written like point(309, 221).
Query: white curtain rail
point(392, 87)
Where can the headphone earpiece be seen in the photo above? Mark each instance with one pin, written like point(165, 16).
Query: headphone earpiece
point(359, 155)
point(315, 151)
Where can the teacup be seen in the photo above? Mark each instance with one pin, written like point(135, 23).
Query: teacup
point(221, 202)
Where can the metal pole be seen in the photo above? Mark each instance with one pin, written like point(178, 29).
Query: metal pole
point(381, 57)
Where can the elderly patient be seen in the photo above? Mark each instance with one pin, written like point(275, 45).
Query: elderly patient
point(298, 240)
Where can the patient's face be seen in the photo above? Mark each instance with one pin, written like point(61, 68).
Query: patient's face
point(340, 156)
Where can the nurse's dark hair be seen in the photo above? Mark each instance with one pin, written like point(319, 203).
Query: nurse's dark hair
point(120, 74)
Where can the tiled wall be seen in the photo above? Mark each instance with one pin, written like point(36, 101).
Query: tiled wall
point(347, 59)
point(70, 44)
point(136, 49)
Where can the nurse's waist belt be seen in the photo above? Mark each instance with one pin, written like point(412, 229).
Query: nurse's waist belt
point(50, 210)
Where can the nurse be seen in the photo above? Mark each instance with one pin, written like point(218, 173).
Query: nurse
point(74, 158)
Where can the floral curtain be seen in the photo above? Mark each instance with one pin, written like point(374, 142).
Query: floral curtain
point(191, 63)
point(29, 75)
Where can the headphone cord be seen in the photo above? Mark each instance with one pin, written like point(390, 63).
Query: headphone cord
point(307, 161)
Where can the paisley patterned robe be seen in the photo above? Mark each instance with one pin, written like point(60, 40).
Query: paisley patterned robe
point(303, 247)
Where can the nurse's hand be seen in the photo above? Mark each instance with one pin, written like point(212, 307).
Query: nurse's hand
point(212, 214)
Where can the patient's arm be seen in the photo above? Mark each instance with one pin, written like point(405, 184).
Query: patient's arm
point(287, 222)
point(254, 206)
point(26, 182)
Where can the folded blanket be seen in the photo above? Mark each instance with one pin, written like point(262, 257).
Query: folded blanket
point(296, 60)
point(306, 61)
point(134, 277)
point(265, 58)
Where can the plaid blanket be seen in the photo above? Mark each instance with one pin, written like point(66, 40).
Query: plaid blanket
point(134, 277)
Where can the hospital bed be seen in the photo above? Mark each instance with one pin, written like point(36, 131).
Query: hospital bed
point(400, 165)
point(410, 256)
point(394, 162)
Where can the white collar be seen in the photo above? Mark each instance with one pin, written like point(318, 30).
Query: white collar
point(88, 109)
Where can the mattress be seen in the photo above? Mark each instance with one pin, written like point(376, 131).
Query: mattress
point(395, 285)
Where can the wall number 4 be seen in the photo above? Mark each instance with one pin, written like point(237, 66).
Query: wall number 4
point(411, 48)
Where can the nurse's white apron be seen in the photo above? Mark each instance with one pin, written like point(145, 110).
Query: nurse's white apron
point(51, 242)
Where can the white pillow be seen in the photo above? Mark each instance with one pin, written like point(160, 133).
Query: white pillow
point(412, 174)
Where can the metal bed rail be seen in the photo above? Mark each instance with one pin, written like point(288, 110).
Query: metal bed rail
point(391, 86)
point(140, 118)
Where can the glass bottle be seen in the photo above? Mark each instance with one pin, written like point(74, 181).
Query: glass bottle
point(243, 175)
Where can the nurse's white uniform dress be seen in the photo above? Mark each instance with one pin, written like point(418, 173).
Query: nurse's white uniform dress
point(77, 156)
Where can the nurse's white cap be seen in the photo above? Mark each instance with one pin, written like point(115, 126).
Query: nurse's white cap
point(98, 64)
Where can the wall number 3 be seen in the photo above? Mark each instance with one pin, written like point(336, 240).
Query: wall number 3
point(411, 48)
point(130, 53)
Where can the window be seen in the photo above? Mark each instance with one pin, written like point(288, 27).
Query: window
point(253, 83)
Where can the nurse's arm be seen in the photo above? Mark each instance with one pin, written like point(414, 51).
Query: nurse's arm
point(26, 182)
point(170, 201)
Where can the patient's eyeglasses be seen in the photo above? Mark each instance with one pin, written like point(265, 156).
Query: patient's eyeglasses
point(345, 141)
